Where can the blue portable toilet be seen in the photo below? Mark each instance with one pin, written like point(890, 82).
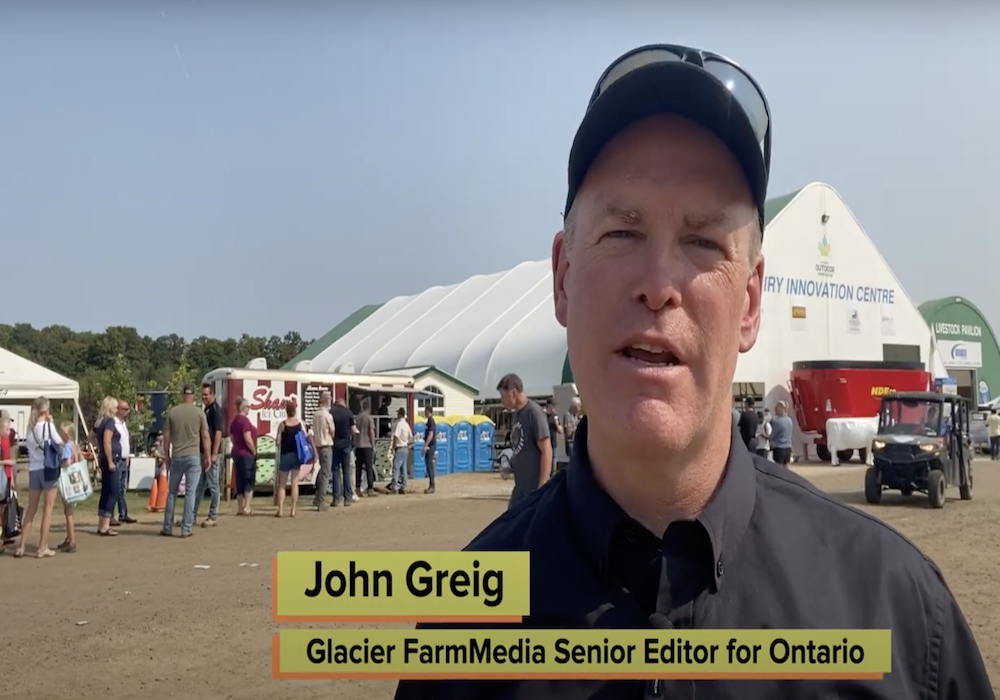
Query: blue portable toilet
point(419, 468)
point(442, 442)
point(483, 432)
point(461, 444)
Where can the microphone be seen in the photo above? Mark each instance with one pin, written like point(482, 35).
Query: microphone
point(656, 688)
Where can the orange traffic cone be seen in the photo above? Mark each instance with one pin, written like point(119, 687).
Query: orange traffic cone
point(158, 495)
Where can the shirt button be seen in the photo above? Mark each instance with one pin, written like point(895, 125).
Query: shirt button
point(719, 568)
point(629, 536)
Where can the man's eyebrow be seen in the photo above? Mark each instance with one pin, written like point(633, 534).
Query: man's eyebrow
point(707, 220)
point(632, 217)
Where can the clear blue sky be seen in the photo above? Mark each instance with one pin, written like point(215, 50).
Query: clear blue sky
point(318, 156)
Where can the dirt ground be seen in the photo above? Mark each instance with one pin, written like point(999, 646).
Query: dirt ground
point(156, 627)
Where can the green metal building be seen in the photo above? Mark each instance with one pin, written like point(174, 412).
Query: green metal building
point(967, 345)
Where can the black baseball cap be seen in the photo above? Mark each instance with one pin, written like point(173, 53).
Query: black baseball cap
point(705, 87)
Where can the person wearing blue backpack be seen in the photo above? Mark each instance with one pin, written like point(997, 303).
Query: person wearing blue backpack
point(44, 444)
point(296, 450)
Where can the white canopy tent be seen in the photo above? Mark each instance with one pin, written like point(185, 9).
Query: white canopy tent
point(22, 380)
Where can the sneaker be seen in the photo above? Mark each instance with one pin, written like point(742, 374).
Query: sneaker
point(429, 489)
point(371, 492)
point(209, 522)
point(129, 521)
point(354, 497)
point(66, 547)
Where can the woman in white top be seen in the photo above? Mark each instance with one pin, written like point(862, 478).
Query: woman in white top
point(763, 435)
point(41, 481)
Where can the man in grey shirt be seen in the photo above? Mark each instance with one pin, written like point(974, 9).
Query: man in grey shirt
point(529, 438)
point(781, 435)
point(570, 421)
point(364, 452)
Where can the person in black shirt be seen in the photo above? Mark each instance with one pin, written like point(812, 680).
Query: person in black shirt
point(343, 437)
point(384, 422)
point(748, 425)
point(664, 520)
point(210, 479)
point(430, 448)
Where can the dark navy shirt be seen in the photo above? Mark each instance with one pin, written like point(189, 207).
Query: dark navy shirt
point(769, 551)
point(108, 425)
point(430, 428)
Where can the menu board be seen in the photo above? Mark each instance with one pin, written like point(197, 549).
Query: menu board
point(310, 400)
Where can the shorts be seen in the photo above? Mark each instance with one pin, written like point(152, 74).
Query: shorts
point(245, 470)
point(288, 462)
point(37, 482)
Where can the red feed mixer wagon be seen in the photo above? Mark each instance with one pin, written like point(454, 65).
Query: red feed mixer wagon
point(825, 389)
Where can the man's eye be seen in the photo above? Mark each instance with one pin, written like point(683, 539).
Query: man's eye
point(705, 243)
point(620, 234)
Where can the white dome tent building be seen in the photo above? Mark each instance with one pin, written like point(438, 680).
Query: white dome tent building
point(828, 295)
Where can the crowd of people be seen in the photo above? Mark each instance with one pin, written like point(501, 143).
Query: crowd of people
point(190, 459)
point(765, 435)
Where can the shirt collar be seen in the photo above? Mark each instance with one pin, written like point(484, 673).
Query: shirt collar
point(725, 518)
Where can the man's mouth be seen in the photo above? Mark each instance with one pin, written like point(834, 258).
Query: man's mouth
point(653, 355)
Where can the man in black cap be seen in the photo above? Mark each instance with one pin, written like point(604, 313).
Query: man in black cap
point(664, 520)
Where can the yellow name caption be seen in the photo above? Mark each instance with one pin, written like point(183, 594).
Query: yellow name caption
point(590, 654)
point(400, 586)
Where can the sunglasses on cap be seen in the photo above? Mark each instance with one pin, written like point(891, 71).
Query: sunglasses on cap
point(740, 83)
point(702, 86)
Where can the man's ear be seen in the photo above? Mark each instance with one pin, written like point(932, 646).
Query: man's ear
point(750, 323)
point(560, 267)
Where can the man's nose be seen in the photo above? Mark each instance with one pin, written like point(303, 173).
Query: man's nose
point(659, 277)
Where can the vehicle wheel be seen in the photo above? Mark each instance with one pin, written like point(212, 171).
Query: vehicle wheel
point(863, 455)
point(823, 452)
point(935, 488)
point(845, 455)
point(966, 491)
point(873, 486)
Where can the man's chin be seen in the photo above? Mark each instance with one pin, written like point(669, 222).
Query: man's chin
point(663, 427)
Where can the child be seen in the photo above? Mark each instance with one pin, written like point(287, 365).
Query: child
point(70, 455)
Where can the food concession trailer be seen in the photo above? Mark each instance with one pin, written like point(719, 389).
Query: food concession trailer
point(270, 391)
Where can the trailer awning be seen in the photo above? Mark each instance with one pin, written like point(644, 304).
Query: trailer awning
point(385, 389)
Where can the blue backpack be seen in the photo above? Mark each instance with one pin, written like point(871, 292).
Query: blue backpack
point(303, 448)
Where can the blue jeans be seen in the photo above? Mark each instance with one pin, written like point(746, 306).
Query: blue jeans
point(122, 489)
point(189, 469)
point(399, 457)
point(209, 481)
point(342, 474)
point(109, 492)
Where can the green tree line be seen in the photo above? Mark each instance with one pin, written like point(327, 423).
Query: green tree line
point(119, 361)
